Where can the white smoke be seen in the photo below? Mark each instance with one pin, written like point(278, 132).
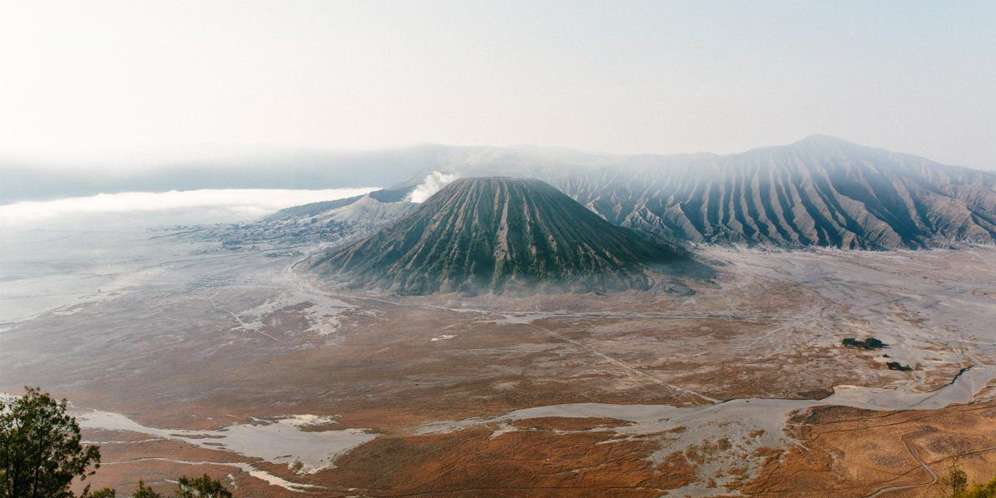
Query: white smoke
point(210, 205)
point(432, 183)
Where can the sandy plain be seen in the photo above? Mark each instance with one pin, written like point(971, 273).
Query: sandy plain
point(240, 365)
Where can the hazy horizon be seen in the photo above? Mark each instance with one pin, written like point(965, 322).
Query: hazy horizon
point(126, 162)
point(311, 169)
point(165, 80)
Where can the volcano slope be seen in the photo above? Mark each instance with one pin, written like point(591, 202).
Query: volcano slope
point(497, 234)
point(821, 191)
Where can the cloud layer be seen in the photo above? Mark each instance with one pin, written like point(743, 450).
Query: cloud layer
point(217, 204)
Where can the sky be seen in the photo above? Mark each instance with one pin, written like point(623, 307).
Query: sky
point(101, 78)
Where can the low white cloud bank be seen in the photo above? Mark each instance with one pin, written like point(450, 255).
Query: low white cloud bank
point(214, 205)
point(432, 183)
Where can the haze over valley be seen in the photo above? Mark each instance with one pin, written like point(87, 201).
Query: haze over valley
point(486, 313)
point(294, 248)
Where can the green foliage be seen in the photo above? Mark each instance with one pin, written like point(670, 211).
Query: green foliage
point(40, 450)
point(41, 454)
point(873, 343)
point(202, 487)
point(987, 490)
point(869, 344)
point(895, 365)
point(187, 487)
point(145, 492)
point(956, 481)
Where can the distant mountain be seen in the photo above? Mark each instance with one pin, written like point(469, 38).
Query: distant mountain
point(820, 191)
point(494, 234)
point(368, 209)
point(319, 222)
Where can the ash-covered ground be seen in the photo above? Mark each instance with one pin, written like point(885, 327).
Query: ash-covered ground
point(185, 357)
